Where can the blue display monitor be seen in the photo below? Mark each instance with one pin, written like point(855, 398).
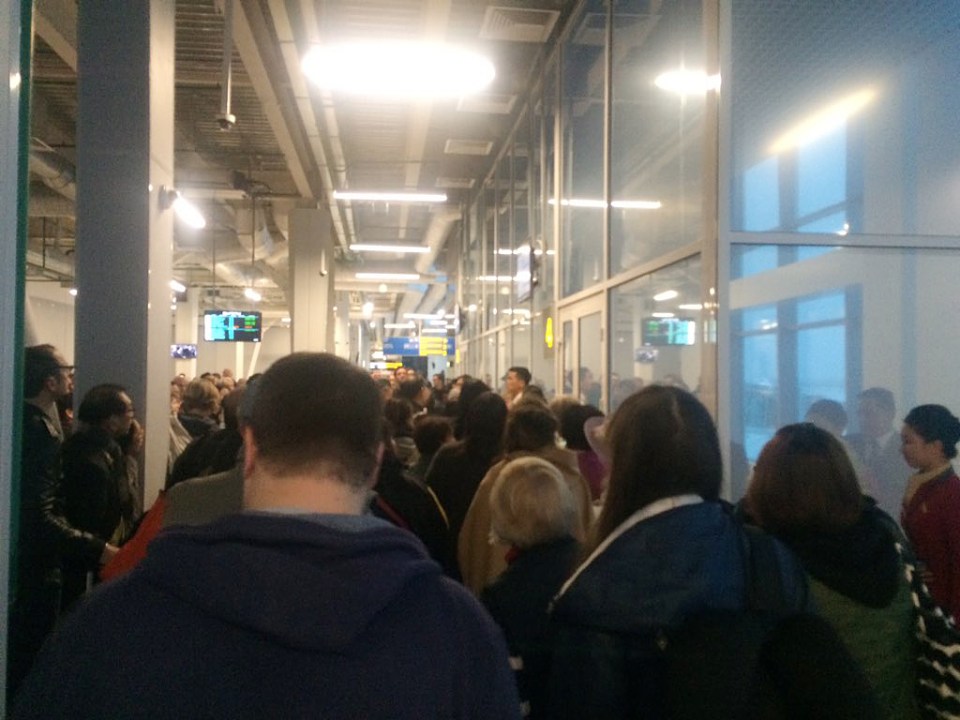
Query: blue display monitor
point(232, 326)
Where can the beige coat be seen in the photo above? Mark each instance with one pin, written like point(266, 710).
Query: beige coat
point(480, 561)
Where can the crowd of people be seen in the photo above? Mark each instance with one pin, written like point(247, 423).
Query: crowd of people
point(340, 544)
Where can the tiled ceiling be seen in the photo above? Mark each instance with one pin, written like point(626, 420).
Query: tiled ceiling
point(293, 144)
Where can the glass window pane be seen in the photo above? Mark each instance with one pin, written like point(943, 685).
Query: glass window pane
point(850, 319)
point(647, 349)
point(590, 362)
point(657, 130)
point(582, 200)
point(853, 100)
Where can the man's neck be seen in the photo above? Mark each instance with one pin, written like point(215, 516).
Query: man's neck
point(311, 494)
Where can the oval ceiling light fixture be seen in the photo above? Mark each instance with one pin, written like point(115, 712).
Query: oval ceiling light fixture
point(687, 82)
point(402, 70)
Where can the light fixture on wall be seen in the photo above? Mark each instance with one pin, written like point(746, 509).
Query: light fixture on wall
point(188, 213)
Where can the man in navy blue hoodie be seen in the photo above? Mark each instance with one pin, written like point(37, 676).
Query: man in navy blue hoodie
point(302, 606)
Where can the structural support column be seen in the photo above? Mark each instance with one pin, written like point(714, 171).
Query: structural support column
point(124, 234)
point(311, 280)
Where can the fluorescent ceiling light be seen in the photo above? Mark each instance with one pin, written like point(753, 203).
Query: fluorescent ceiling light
point(663, 315)
point(599, 204)
point(72, 291)
point(386, 276)
point(665, 295)
point(433, 331)
point(495, 278)
point(822, 122)
point(401, 70)
point(177, 286)
point(361, 247)
point(687, 82)
point(389, 196)
point(472, 307)
point(251, 294)
point(400, 326)
point(690, 306)
point(420, 316)
point(286, 320)
point(367, 310)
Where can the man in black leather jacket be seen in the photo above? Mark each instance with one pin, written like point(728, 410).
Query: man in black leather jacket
point(35, 598)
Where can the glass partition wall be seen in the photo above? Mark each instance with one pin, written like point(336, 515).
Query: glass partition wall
point(761, 198)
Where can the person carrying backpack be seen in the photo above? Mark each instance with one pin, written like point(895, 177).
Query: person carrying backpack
point(666, 556)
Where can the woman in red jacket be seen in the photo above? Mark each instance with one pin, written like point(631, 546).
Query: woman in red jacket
point(931, 503)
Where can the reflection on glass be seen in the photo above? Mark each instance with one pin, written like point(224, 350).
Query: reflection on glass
point(659, 87)
point(656, 341)
point(828, 325)
point(846, 117)
point(590, 363)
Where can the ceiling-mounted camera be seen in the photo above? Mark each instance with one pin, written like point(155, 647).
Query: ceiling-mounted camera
point(226, 121)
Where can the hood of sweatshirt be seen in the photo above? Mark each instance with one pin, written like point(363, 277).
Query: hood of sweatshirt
point(286, 577)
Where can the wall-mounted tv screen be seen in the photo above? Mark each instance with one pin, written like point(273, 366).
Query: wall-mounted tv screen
point(669, 331)
point(183, 351)
point(232, 326)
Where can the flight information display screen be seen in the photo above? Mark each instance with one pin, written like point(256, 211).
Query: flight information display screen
point(232, 326)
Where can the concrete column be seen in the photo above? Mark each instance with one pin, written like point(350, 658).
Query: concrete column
point(124, 234)
point(311, 280)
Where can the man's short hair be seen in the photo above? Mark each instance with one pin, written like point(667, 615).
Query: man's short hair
point(881, 397)
point(522, 373)
point(530, 426)
point(317, 412)
point(531, 504)
point(102, 402)
point(39, 363)
point(430, 432)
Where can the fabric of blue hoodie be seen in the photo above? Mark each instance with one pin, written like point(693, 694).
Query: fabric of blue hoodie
point(270, 616)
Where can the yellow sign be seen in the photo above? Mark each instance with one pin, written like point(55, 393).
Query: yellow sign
point(548, 333)
point(433, 346)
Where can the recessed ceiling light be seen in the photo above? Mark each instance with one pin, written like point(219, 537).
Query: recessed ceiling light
point(665, 295)
point(399, 70)
point(364, 247)
point(390, 196)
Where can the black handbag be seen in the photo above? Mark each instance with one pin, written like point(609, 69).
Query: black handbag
point(938, 650)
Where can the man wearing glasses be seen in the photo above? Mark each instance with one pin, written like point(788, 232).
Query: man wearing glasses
point(36, 593)
point(95, 491)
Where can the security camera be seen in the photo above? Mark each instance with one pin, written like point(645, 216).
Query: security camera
point(226, 121)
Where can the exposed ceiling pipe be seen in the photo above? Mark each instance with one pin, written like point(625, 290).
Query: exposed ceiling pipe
point(436, 236)
point(56, 171)
point(433, 299)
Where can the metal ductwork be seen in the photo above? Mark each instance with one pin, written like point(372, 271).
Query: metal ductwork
point(436, 235)
point(56, 171)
